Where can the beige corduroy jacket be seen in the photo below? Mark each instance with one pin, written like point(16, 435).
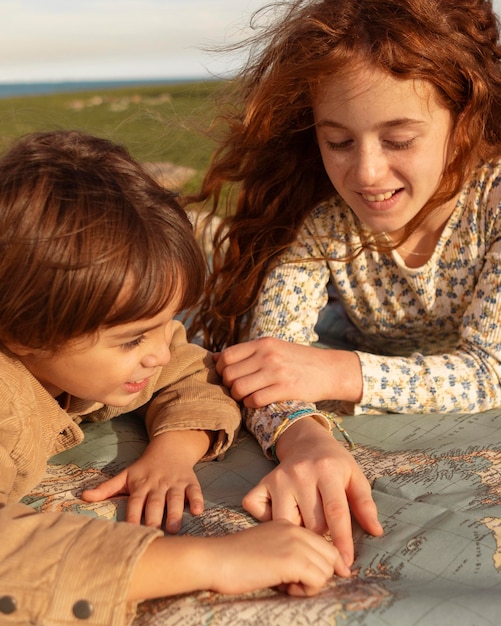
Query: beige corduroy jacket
point(54, 566)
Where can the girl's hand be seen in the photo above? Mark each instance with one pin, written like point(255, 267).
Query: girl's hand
point(316, 484)
point(274, 554)
point(267, 370)
point(161, 480)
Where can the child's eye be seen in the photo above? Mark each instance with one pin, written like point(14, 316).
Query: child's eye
point(339, 145)
point(400, 145)
point(130, 345)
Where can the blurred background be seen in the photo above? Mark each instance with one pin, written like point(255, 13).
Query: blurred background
point(61, 40)
point(136, 71)
point(145, 73)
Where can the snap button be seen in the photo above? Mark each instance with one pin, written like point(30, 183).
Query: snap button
point(83, 609)
point(8, 605)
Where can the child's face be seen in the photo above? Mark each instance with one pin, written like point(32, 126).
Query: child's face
point(112, 367)
point(384, 144)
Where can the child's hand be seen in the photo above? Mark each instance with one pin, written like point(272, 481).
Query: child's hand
point(161, 479)
point(316, 484)
point(273, 554)
point(267, 370)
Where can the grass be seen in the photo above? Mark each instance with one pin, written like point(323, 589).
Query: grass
point(156, 123)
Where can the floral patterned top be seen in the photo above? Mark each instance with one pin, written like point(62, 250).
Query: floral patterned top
point(428, 338)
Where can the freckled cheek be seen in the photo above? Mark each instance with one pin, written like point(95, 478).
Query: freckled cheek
point(331, 169)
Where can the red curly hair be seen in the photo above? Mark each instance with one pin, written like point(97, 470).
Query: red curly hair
point(269, 152)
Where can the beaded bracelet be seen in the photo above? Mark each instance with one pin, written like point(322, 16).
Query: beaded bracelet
point(330, 418)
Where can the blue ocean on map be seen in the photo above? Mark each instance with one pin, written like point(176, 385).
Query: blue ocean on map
point(11, 90)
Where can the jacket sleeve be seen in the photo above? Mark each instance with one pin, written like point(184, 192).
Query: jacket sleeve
point(56, 568)
point(191, 396)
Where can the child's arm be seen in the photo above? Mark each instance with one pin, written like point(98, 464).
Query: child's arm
point(269, 555)
point(161, 479)
point(189, 395)
point(52, 562)
point(189, 416)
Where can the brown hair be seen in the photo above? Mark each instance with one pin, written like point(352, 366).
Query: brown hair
point(87, 239)
point(269, 148)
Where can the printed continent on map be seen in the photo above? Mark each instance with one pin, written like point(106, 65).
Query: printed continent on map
point(61, 488)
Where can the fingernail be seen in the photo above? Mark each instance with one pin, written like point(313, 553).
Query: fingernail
point(173, 527)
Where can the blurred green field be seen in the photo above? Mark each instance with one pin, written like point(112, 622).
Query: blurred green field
point(158, 123)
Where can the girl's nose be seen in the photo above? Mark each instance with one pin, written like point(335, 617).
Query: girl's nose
point(369, 166)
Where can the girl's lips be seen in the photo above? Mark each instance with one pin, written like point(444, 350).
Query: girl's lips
point(381, 201)
point(379, 197)
point(136, 385)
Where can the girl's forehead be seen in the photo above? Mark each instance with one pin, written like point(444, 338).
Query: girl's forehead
point(370, 89)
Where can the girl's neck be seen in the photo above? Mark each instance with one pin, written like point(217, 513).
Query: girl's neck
point(419, 247)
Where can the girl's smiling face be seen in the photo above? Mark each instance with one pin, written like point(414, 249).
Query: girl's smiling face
point(384, 144)
point(111, 367)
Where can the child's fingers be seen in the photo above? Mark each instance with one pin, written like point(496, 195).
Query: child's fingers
point(325, 560)
point(153, 503)
point(113, 487)
point(364, 508)
point(135, 509)
point(175, 508)
point(195, 499)
point(257, 502)
point(176, 499)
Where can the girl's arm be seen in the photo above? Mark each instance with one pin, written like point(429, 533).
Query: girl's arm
point(317, 484)
point(269, 370)
point(457, 294)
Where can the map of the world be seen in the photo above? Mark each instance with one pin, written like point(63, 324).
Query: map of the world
point(437, 484)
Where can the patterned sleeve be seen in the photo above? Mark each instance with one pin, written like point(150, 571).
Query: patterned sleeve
point(291, 298)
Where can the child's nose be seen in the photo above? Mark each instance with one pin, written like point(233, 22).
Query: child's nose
point(370, 166)
point(158, 357)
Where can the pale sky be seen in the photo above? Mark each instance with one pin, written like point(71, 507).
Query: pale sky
point(45, 40)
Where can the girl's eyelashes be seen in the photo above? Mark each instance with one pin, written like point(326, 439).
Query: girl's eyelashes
point(130, 345)
point(393, 145)
point(339, 145)
point(400, 145)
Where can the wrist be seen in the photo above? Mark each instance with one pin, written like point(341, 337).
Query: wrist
point(171, 566)
point(190, 445)
point(307, 429)
point(346, 374)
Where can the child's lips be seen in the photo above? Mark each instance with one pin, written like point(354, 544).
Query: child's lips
point(134, 386)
